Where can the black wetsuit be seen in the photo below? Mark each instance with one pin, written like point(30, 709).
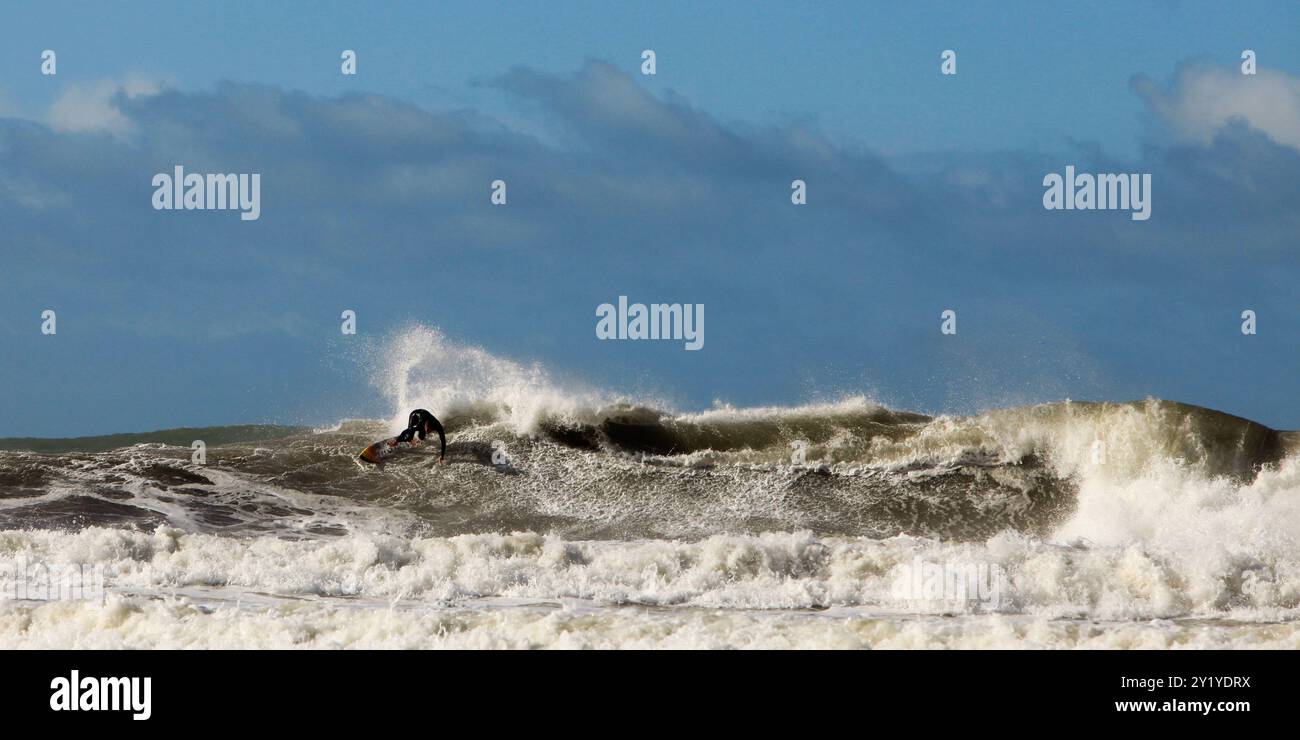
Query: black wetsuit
point(416, 423)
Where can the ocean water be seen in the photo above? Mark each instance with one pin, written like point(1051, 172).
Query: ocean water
point(570, 518)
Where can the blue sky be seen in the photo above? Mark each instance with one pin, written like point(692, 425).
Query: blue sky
point(924, 194)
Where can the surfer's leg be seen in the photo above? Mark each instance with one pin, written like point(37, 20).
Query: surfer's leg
point(442, 437)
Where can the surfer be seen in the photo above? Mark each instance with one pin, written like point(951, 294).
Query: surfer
point(421, 423)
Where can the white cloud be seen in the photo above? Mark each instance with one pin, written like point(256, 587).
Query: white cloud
point(1202, 100)
point(32, 195)
point(91, 107)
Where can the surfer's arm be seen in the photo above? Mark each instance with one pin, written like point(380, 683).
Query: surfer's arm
point(406, 436)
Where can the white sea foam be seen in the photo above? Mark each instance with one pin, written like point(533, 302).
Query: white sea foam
point(351, 584)
point(191, 623)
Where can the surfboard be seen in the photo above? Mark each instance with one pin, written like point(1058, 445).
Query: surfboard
point(380, 451)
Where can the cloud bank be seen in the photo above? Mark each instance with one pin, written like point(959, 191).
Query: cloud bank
point(374, 204)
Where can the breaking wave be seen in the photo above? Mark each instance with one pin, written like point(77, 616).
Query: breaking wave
point(555, 497)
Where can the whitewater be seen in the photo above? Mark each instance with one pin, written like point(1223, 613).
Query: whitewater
point(571, 517)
